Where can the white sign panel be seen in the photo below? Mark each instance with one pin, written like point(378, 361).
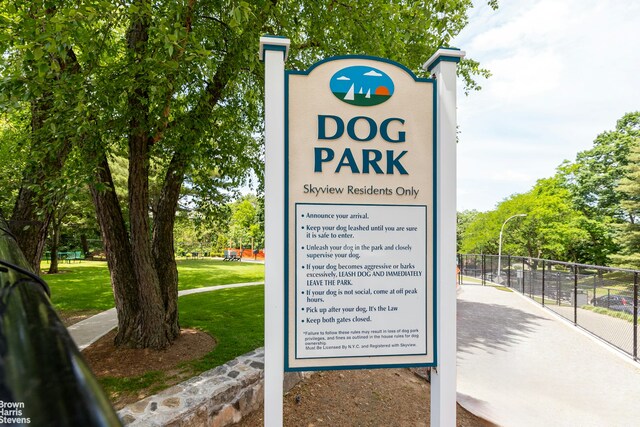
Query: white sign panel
point(360, 280)
point(360, 216)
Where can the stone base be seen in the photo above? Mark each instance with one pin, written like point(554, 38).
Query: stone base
point(219, 397)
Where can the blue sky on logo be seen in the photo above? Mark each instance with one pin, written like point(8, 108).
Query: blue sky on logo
point(361, 80)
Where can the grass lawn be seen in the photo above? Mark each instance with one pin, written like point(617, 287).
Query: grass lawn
point(86, 286)
point(234, 317)
point(613, 313)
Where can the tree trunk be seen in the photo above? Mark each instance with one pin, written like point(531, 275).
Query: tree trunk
point(118, 252)
point(55, 239)
point(162, 241)
point(47, 159)
point(29, 228)
point(154, 332)
point(85, 244)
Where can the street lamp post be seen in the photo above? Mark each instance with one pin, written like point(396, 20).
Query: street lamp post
point(500, 246)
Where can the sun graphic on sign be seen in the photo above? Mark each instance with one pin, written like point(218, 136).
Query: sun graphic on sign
point(382, 91)
point(362, 86)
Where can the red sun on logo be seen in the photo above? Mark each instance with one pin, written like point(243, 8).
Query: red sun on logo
point(382, 90)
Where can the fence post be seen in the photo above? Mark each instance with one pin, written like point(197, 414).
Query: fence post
point(523, 276)
point(483, 267)
point(532, 281)
point(635, 316)
point(575, 294)
point(543, 272)
point(475, 265)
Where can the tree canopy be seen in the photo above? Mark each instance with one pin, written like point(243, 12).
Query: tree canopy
point(172, 90)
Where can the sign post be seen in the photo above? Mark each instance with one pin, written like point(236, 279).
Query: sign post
point(360, 220)
point(443, 380)
point(273, 51)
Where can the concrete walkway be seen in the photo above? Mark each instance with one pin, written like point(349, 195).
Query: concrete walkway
point(520, 365)
point(89, 330)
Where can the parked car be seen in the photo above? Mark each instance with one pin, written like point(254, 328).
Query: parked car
point(614, 302)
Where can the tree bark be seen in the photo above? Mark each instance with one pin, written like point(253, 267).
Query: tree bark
point(30, 228)
point(162, 241)
point(55, 239)
point(142, 262)
point(154, 332)
point(31, 215)
point(85, 244)
point(118, 252)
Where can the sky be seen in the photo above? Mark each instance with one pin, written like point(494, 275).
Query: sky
point(563, 71)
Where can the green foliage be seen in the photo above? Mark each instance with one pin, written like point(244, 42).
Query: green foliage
point(196, 75)
point(463, 219)
point(245, 226)
point(629, 187)
point(14, 144)
point(238, 223)
point(550, 229)
point(594, 177)
point(176, 89)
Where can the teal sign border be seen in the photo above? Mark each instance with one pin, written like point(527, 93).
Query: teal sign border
point(287, 73)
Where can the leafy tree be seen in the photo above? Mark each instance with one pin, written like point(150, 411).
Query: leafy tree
point(629, 238)
point(594, 177)
point(594, 181)
point(551, 229)
point(174, 86)
point(13, 152)
point(463, 220)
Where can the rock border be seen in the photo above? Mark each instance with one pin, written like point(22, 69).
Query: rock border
point(217, 398)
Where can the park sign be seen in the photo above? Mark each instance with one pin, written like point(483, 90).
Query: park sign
point(360, 216)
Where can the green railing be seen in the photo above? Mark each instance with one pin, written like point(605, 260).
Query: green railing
point(44, 381)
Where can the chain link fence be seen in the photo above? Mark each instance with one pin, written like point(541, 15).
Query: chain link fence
point(601, 300)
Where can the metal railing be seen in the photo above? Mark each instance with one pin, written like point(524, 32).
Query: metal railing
point(44, 381)
point(600, 300)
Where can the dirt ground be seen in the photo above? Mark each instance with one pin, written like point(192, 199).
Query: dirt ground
point(107, 360)
point(380, 397)
point(363, 398)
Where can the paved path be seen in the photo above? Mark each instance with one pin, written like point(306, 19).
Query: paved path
point(520, 365)
point(88, 331)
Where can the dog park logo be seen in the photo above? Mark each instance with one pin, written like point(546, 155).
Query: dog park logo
point(361, 86)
